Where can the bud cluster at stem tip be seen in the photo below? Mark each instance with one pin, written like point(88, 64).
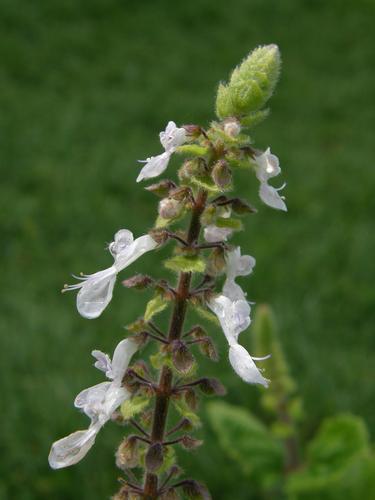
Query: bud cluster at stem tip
point(250, 86)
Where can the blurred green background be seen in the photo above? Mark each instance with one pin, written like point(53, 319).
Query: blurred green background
point(85, 87)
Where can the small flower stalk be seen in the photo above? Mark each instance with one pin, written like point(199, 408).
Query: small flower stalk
point(155, 400)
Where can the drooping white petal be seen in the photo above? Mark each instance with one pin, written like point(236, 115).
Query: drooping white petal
point(172, 137)
point(154, 166)
point(103, 362)
point(133, 251)
point(244, 365)
point(214, 233)
point(121, 358)
point(96, 293)
point(270, 196)
point(71, 449)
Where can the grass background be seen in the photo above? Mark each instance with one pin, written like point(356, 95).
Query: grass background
point(84, 88)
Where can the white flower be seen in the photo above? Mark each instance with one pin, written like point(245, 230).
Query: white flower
point(170, 139)
point(267, 166)
point(237, 265)
point(234, 318)
point(98, 403)
point(214, 233)
point(95, 290)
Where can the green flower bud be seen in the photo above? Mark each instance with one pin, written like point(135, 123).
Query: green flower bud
point(251, 84)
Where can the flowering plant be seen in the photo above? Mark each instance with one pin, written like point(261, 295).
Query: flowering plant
point(140, 394)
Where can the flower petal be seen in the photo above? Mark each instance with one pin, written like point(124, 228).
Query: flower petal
point(270, 196)
point(91, 400)
point(214, 233)
point(96, 293)
point(234, 316)
point(172, 137)
point(122, 239)
point(233, 291)
point(267, 166)
point(103, 362)
point(154, 166)
point(71, 449)
point(121, 357)
point(237, 264)
point(133, 251)
point(244, 365)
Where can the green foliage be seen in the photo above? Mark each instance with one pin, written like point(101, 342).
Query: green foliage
point(186, 263)
point(60, 168)
point(340, 463)
point(246, 440)
point(266, 341)
point(156, 305)
point(133, 406)
point(193, 150)
point(251, 85)
point(185, 410)
point(229, 222)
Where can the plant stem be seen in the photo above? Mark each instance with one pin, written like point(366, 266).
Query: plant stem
point(164, 389)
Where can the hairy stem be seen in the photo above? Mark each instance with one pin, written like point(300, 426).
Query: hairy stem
point(164, 388)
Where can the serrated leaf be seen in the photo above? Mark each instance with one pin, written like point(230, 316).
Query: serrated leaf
point(340, 463)
point(246, 440)
point(192, 150)
point(155, 306)
point(131, 407)
point(186, 264)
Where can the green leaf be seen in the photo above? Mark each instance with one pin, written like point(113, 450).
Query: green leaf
point(186, 264)
point(229, 222)
point(340, 463)
point(205, 183)
point(246, 440)
point(184, 410)
point(160, 222)
point(131, 407)
point(155, 306)
point(193, 150)
point(206, 314)
point(338, 440)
